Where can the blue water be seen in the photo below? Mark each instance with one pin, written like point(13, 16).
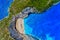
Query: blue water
point(4, 5)
point(46, 25)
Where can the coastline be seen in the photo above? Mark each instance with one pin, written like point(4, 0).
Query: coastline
point(20, 26)
point(8, 8)
point(4, 25)
point(27, 29)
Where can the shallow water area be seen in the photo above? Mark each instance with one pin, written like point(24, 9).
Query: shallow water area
point(44, 23)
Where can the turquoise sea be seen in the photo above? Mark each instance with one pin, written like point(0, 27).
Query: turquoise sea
point(4, 5)
point(46, 25)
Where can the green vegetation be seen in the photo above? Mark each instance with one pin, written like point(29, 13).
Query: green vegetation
point(17, 7)
point(39, 4)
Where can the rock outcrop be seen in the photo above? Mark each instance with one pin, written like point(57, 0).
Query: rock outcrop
point(16, 27)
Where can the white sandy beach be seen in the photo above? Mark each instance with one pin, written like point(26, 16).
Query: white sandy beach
point(20, 25)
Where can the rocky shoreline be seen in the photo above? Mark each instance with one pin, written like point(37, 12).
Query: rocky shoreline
point(16, 27)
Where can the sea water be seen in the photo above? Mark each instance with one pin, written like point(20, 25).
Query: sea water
point(4, 5)
point(46, 25)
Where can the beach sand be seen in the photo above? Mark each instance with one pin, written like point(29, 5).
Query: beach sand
point(20, 29)
point(20, 25)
